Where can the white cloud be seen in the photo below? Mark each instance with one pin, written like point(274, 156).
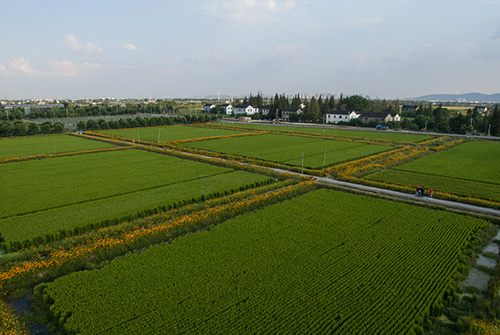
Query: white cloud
point(367, 21)
point(129, 47)
point(3, 69)
point(66, 68)
point(81, 46)
point(248, 11)
point(22, 65)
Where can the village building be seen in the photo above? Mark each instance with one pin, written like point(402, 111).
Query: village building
point(341, 116)
point(286, 112)
point(245, 109)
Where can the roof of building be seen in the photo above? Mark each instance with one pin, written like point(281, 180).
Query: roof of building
point(292, 110)
point(339, 112)
point(373, 115)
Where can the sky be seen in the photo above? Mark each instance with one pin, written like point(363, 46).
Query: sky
point(66, 49)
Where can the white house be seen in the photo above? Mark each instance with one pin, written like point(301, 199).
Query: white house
point(245, 109)
point(286, 112)
point(340, 116)
point(208, 107)
point(392, 118)
point(228, 108)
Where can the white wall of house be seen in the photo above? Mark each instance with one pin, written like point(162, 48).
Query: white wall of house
point(207, 108)
point(336, 118)
point(228, 109)
point(245, 110)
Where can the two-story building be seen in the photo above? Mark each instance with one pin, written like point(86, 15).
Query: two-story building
point(208, 107)
point(286, 112)
point(245, 109)
point(341, 116)
point(228, 108)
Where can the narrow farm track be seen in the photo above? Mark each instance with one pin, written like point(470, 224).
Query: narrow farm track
point(354, 187)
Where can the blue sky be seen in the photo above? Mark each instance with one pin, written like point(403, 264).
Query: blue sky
point(131, 48)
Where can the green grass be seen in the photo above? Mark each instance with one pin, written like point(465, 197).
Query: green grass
point(47, 222)
point(469, 169)
point(372, 135)
point(39, 145)
point(32, 186)
point(460, 187)
point(288, 149)
point(325, 262)
point(170, 133)
point(475, 161)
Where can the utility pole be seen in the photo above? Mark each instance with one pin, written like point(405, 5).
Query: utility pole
point(302, 163)
point(324, 160)
point(201, 188)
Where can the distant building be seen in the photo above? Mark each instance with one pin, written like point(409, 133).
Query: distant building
point(409, 108)
point(341, 116)
point(392, 118)
point(366, 117)
point(286, 112)
point(265, 110)
point(245, 109)
point(27, 107)
point(228, 108)
point(482, 110)
point(208, 107)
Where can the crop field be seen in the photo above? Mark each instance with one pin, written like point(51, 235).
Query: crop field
point(469, 169)
point(354, 264)
point(373, 135)
point(170, 133)
point(41, 197)
point(39, 145)
point(289, 149)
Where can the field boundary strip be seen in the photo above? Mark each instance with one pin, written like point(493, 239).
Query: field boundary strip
point(447, 177)
point(62, 154)
point(53, 258)
point(328, 137)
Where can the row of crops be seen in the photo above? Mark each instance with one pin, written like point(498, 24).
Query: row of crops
point(468, 170)
point(285, 269)
point(268, 255)
point(47, 199)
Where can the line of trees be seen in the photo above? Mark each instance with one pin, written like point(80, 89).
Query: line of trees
point(102, 109)
point(21, 128)
point(424, 117)
point(142, 122)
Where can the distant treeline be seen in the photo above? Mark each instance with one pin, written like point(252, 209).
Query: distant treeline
point(22, 128)
point(80, 110)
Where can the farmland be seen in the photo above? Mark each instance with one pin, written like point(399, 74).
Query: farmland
point(88, 189)
point(285, 269)
point(470, 169)
point(374, 135)
point(289, 149)
point(170, 133)
point(162, 238)
point(39, 145)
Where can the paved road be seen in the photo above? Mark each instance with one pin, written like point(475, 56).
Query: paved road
point(445, 203)
point(394, 194)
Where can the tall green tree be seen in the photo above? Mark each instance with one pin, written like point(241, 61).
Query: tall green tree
point(357, 103)
point(495, 122)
